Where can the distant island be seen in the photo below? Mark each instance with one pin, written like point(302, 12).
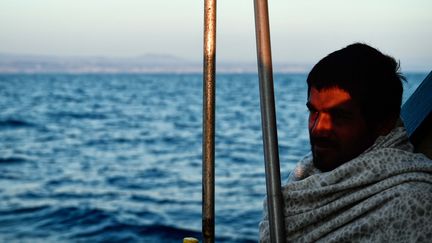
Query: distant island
point(149, 63)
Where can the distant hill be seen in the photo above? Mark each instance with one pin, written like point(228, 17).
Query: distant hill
point(149, 63)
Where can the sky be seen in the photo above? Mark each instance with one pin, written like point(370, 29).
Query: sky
point(302, 31)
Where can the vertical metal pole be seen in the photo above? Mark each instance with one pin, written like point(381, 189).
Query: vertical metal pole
point(208, 217)
point(268, 121)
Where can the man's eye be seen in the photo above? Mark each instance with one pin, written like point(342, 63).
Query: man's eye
point(313, 113)
point(311, 110)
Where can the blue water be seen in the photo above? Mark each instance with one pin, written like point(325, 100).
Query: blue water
point(91, 158)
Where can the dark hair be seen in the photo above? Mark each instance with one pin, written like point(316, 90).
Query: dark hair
point(372, 79)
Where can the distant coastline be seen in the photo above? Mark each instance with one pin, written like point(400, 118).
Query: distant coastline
point(149, 63)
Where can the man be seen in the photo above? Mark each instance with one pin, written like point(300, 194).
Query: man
point(362, 181)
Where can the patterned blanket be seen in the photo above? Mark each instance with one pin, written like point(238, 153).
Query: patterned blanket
point(383, 195)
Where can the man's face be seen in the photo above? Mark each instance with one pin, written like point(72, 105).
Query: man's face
point(337, 128)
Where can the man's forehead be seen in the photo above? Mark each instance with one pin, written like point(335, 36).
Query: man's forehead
point(329, 98)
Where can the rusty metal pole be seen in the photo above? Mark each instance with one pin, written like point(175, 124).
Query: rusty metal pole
point(208, 210)
point(268, 122)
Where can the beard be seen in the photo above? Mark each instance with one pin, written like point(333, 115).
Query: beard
point(329, 153)
point(326, 153)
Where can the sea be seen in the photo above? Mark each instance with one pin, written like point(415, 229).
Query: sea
point(117, 157)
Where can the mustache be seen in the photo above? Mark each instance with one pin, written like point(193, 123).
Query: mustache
point(324, 142)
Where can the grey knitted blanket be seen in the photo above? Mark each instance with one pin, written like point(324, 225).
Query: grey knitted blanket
point(383, 195)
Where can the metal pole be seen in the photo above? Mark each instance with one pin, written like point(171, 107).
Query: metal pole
point(208, 210)
point(268, 121)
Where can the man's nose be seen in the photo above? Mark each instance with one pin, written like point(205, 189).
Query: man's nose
point(322, 124)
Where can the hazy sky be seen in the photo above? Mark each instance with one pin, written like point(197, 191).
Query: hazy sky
point(302, 31)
